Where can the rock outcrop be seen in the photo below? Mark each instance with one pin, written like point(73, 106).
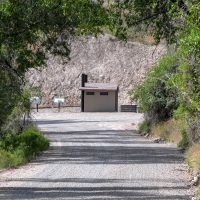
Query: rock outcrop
point(104, 59)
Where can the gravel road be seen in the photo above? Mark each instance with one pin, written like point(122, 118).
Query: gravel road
point(98, 156)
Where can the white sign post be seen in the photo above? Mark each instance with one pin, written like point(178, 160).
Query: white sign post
point(59, 101)
point(36, 100)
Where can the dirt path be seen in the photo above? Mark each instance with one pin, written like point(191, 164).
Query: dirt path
point(98, 156)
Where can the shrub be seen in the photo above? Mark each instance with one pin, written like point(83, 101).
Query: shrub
point(10, 89)
point(11, 159)
point(32, 141)
point(169, 130)
point(154, 98)
point(9, 142)
point(144, 127)
point(18, 149)
point(184, 143)
point(194, 129)
point(193, 157)
point(6, 159)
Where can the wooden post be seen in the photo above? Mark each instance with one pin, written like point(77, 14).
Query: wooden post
point(37, 107)
point(84, 79)
point(59, 107)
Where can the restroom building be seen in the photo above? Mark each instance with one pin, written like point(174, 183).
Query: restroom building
point(98, 97)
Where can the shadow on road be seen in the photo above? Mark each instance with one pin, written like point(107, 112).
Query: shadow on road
point(57, 122)
point(97, 147)
point(94, 193)
point(118, 147)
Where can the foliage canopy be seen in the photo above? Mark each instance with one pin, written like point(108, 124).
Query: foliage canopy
point(180, 84)
point(31, 29)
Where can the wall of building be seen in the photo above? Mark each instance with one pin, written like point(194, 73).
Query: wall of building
point(99, 103)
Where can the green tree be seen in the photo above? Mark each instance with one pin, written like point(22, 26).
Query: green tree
point(154, 98)
point(30, 29)
point(178, 86)
point(186, 81)
point(162, 19)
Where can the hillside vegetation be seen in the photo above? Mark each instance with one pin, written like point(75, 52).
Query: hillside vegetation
point(170, 93)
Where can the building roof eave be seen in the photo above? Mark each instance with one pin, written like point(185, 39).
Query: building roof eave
point(98, 89)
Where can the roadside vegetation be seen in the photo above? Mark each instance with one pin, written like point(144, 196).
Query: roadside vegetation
point(17, 149)
point(20, 140)
point(170, 94)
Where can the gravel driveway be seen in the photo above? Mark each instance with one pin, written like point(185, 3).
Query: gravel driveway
point(98, 156)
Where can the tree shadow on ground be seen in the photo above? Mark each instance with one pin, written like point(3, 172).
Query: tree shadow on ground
point(100, 147)
point(46, 122)
point(94, 193)
point(117, 147)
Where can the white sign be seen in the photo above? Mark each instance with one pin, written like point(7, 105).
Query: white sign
point(59, 100)
point(35, 100)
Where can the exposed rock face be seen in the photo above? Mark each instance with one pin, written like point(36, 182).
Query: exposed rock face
point(104, 59)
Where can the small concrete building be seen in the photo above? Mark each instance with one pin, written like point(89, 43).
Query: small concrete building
point(98, 97)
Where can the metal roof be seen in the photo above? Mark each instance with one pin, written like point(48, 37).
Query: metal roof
point(100, 86)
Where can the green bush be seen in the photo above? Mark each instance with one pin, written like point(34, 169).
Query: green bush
point(11, 159)
point(144, 127)
point(32, 141)
point(6, 159)
point(18, 149)
point(184, 143)
point(155, 99)
point(193, 157)
point(9, 142)
point(8, 95)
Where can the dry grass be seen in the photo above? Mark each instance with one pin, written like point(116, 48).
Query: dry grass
point(193, 160)
point(198, 194)
point(149, 39)
point(193, 157)
point(169, 131)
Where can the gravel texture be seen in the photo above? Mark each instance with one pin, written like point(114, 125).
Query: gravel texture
point(98, 156)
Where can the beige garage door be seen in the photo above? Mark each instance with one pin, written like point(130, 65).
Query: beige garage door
point(99, 101)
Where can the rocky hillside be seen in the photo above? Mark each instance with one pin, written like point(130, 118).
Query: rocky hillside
point(104, 59)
